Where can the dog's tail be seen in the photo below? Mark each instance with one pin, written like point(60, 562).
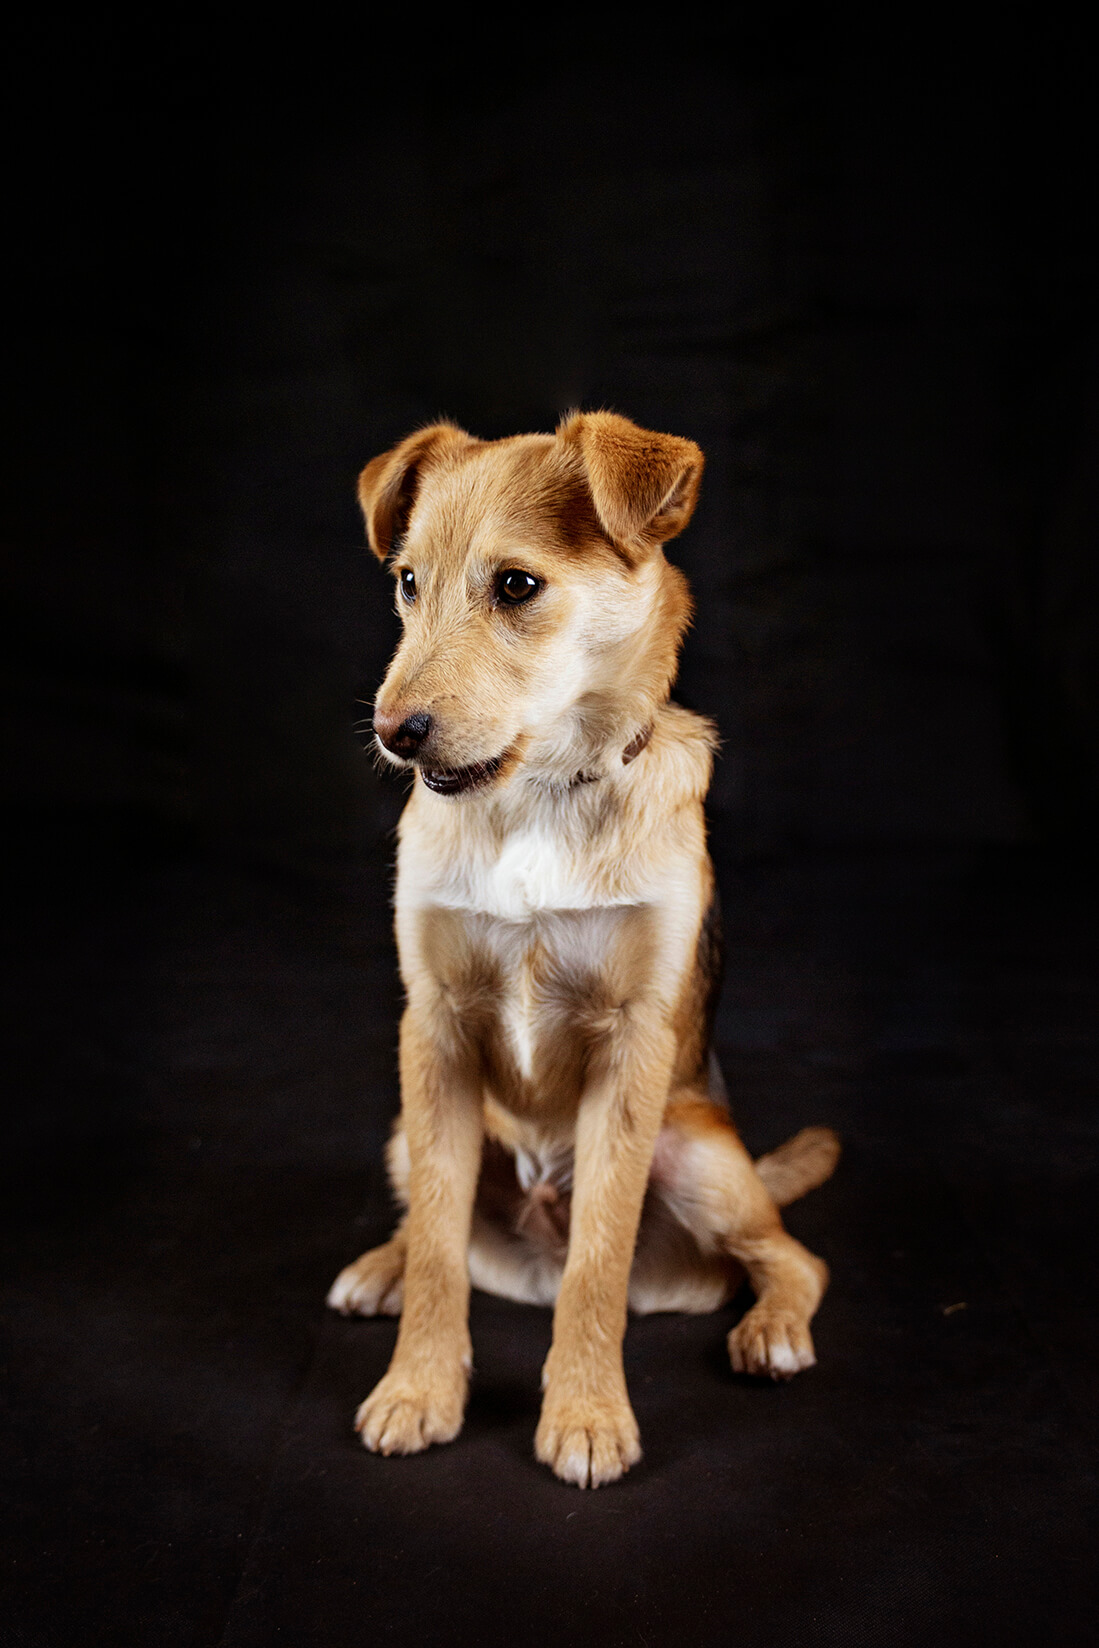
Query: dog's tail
point(799, 1165)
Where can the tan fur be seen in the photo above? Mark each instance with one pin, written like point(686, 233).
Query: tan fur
point(558, 1141)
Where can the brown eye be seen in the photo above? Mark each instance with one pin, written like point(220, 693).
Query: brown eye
point(408, 586)
point(514, 587)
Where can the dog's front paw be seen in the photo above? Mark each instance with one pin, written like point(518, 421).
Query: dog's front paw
point(373, 1285)
point(588, 1441)
point(406, 1414)
point(776, 1343)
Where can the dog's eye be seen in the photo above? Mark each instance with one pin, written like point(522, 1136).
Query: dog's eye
point(514, 587)
point(408, 586)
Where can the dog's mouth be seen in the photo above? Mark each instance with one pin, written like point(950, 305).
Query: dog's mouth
point(454, 780)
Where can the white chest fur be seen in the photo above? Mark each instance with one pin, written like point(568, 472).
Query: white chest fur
point(532, 872)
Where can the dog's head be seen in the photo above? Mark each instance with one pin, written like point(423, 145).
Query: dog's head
point(541, 621)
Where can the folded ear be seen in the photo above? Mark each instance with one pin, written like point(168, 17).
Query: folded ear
point(644, 486)
point(389, 484)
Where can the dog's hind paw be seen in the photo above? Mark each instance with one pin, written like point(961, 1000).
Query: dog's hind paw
point(588, 1444)
point(774, 1343)
point(373, 1285)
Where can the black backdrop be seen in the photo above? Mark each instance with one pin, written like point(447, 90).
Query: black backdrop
point(863, 280)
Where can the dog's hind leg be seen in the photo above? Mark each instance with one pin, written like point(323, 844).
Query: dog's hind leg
point(374, 1284)
point(675, 1270)
point(707, 1178)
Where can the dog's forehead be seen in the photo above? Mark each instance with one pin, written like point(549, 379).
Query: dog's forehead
point(499, 494)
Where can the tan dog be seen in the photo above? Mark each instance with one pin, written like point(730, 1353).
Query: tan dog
point(560, 1136)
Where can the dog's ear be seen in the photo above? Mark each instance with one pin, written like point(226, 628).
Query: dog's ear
point(389, 484)
point(644, 486)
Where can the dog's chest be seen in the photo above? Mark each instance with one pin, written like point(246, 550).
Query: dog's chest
point(537, 994)
point(554, 981)
point(533, 872)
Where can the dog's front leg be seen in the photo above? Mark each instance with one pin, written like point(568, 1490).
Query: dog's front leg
point(587, 1431)
point(422, 1397)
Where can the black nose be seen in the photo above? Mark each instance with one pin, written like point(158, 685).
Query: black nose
point(408, 737)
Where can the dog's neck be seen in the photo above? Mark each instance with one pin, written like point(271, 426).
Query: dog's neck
point(592, 752)
point(632, 750)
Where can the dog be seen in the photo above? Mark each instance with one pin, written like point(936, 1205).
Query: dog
point(563, 1137)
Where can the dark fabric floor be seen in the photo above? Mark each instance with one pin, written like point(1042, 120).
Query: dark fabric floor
point(178, 1437)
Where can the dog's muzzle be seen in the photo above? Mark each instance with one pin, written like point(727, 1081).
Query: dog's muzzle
point(406, 739)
